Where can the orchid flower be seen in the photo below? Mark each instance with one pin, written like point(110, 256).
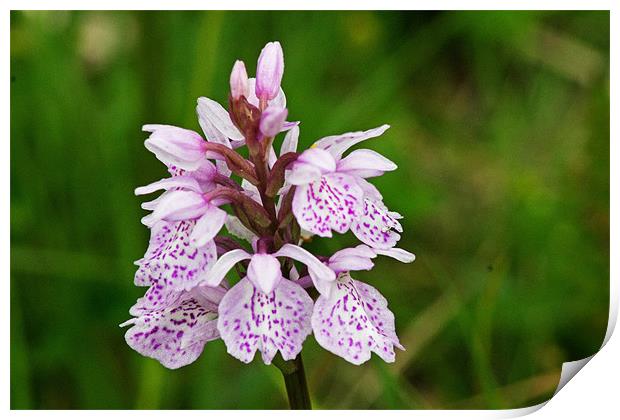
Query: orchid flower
point(175, 334)
point(332, 193)
point(264, 310)
point(354, 319)
point(206, 223)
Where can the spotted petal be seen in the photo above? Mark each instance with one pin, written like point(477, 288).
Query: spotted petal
point(174, 336)
point(174, 260)
point(156, 298)
point(332, 202)
point(251, 320)
point(355, 321)
point(160, 234)
point(377, 226)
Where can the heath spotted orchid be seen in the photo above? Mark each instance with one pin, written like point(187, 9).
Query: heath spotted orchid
point(206, 223)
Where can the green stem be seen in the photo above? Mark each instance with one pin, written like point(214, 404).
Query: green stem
point(295, 381)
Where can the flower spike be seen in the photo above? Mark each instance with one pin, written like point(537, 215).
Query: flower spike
point(278, 199)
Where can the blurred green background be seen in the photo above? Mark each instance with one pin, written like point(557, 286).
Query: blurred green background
point(500, 127)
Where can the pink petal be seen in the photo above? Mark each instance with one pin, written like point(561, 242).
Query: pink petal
point(352, 259)
point(337, 145)
point(272, 157)
point(293, 274)
point(359, 251)
point(272, 120)
point(264, 272)
point(305, 282)
point(322, 276)
point(236, 228)
point(181, 182)
point(319, 158)
point(351, 263)
point(152, 205)
point(173, 261)
point(174, 145)
point(211, 295)
point(302, 174)
point(222, 168)
point(143, 276)
point(289, 125)
point(289, 144)
point(156, 298)
point(354, 321)
point(213, 112)
point(251, 190)
point(370, 191)
point(208, 226)
point(204, 174)
point(377, 227)
point(250, 320)
point(365, 163)
point(398, 254)
point(223, 265)
point(160, 236)
point(214, 134)
point(174, 336)
point(177, 205)
point(333, 202)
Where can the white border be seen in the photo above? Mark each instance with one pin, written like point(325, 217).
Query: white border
point(313, 5)
point(593, 394)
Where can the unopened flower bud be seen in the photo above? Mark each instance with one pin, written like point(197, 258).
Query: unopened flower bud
point(269, 71)
point(238, 80)
point(272, 120)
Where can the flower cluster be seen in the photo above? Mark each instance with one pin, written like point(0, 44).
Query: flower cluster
point(279, 202)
